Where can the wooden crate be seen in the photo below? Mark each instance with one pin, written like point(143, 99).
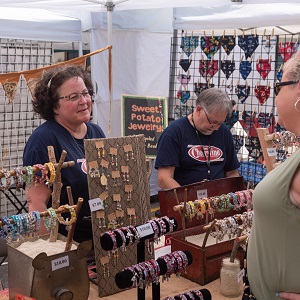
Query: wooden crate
point(207, 258)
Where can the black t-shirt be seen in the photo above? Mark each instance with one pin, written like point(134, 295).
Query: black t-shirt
point(53, 134)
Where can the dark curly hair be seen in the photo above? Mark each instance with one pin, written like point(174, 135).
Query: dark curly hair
point(46, 95)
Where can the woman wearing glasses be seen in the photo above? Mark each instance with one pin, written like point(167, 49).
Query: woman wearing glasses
point(274, 245)
point(63, 98)
point(198, 146)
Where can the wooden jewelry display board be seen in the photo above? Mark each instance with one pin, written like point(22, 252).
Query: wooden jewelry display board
point(117, 175)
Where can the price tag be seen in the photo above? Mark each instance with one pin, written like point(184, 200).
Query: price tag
point(271, 151)
point(96, 204)
point(145, 229)
point(59, 263)
point(202, 194)
point(240, 275)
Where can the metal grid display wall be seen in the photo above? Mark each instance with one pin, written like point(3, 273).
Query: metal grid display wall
point(245, 66)
point(17, 121)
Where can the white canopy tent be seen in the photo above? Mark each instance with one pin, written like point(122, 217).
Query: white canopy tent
point(141, 37)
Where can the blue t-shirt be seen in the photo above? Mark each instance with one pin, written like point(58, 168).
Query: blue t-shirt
point(53, 134)
point(179, 146)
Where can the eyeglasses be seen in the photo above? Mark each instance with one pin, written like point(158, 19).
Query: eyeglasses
point(216, 123)
point(76, 96)
point(278, 85)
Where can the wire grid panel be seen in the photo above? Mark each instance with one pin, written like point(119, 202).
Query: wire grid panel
point(135, 160)
point(17, 120)
point(202, 61)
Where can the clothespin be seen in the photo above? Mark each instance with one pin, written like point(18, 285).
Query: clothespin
point(243, 34)
point(258, 58)
point(204, 34)
point(223, 33)
point(178, 72)
point(272, 31)
point(212, 35)
point(222, 82)
point(291, 39)
point(246, 84)
point(192, 33)
point(212, 59)
point(202, 58)
point(232, 59)
point(254, 111)
point(242, 58)
point(190, 58)
point(270, 59)
point(264, 32)
point(234, 33)
point(255, 32)
point(237, 82)
point(188, 73)
point(185, 34)
point(223, 58)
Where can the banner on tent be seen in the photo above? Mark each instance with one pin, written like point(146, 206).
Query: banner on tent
point(144, 115)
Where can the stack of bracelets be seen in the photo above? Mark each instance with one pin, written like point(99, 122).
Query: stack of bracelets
point(222, 203)
point(20, 226)
point(27, 225)
point(145, 273)
point(127, 236)
point(203, 294)
point(230, 225)
point(45, 173)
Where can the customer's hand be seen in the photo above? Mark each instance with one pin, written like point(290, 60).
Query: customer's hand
point(289, 296)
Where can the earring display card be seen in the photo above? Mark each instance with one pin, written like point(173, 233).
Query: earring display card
point(123, 155)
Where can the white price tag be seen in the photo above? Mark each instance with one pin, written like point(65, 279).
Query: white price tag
point(240, 275)
point(202, 194)
point(96, 204)
point(271, 151)
point(59, 263)
point(145, 229)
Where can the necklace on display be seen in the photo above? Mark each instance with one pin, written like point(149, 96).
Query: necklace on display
point(78, 145)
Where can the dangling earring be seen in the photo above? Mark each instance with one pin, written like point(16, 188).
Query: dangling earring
point(296, 103)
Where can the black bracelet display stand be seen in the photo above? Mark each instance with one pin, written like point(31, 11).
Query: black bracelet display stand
point(124, 278)
point(205, 295)
point(108, 245)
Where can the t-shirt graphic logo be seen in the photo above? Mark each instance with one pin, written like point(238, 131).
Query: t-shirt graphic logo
point(196, 153)
point(83, 164)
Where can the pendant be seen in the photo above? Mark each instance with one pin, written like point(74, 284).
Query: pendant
point(103, 179)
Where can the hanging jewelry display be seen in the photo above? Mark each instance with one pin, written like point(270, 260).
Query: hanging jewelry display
point(128, 152)
point(94, 169)
point(114, 157)
point(112, 221)
point(104, 172)
point(132, 216)
point(103, 196)
point(105, 264)
point(100, 214)
point(125, 174)
point(128, 191)
point(120, 217)
point(117, 200)
point(116, 177)
point(100, 149)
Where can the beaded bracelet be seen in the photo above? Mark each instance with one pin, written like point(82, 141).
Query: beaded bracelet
point(134, 277)
point(61, 220)
point(198, 293)
point(43, 177)
point(50, 167)
point(122, 235)
point(170, 222)
point(6, 224)
point(7, 176)
point(37, 217)
point(136, 235)
point(28, 175)
point(49, 221)
point(18, 178)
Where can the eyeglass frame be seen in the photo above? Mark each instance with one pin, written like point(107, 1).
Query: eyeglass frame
point(278, 84)
point(210, 122)
point(83, 94)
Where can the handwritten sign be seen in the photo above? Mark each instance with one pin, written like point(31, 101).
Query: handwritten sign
point(144, 115)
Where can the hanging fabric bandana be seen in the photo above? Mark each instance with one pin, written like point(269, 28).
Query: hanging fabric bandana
point(245, 68)
point(185, 63)
point(181, 111)
point(253, 146)
point(227, 66)
point(201, 86)
point(279, 74)
point(184, 79)
point(208, 68)
point(262, 93)
point(268, 42)
point(286, 50)
point(228, 43)
point(210, 45)
point(263, 67)
point(183, 95)
point(264, 119)
point(249, 122)
point(229, 122)
point(242, 91)
point(189, 44)
point(238, 142)
point(248, 44)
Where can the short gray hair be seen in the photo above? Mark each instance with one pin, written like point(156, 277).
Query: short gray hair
point(214, 99)
point(292, 67)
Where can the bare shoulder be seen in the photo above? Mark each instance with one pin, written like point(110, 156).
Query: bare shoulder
point(295, 187)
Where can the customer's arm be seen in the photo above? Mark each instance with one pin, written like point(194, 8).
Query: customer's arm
point(295, 188)
point(165, 176)
point(38, 196)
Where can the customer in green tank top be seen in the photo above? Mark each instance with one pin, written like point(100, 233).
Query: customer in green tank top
point(273, 259)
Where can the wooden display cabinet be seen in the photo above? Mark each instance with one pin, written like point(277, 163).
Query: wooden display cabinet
point(207, 258)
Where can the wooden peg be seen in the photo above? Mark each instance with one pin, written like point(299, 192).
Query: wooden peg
point(273, 32)
point(204, 34)
point(242, 58)
point(223, 33)
point(232, 59)
point(264, 32)
point(212, 35)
